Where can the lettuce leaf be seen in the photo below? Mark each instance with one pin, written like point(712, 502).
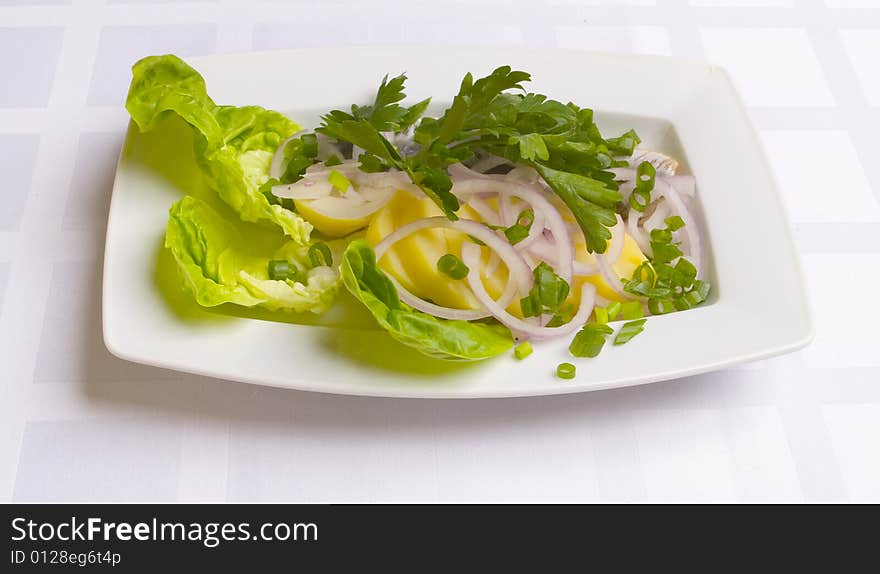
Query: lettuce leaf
point(220, 266)
point(440, 338)
point(233, 146)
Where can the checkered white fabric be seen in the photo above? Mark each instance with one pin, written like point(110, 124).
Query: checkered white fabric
point(78, 424)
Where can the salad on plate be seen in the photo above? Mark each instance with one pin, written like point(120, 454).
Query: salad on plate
point(504, 220)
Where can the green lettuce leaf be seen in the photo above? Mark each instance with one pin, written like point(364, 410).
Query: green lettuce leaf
point(233, 146)
point(220, 266)
point(440, 338)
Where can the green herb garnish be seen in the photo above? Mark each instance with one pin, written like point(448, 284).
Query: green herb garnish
point(641, 195)
point(668, 280)
point(628, 331)
point(566, 371)
point(559, 140)
point(280, 270)
point(590, 340)
point(523, 350)
point(520, 230)
point(452, 267)
point(320, 254)
point(547, 295)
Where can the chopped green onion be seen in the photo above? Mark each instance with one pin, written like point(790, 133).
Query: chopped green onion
point(589, 340)
point(628, 331)
point(664, 252)
point(332, 160)
point(660, 306)
point(339, 181)
point(547, 295)
point(562, 316)
point(661, 235)
point(613, 310)
point(682, 303)
point(552, 290)
point(601, 315)
point(631, 310)
point(674, 223)
point(516, 233)
point(319, 254)
point(566, 371)
point(280, 270)
point(523, 350)
point(452, 266)
point(703, 288)
point(686, 270)
point(520, 230)
point(641, 195)
point(698, 293)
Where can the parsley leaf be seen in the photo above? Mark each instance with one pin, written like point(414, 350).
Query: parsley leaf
point(386, 114)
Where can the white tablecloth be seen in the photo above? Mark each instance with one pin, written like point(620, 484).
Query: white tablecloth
point(78, 424)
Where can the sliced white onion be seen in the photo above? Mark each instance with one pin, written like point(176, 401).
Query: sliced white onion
point(602, 301)
point(351, 205)
point(424, 306)
point(657, 220)
point(471, 256)
point(493, 263)
point(611, 278)
point(416, 302)
point(544, 249)
point(690, 230)
point(489, 215)
point(532, 262)
point(606, 261)
point(554, 221)
point(636, 232)
point(505, 210)
point(275, 168)
point(581, 269)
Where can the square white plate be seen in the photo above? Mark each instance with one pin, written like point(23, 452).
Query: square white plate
point(758, 307)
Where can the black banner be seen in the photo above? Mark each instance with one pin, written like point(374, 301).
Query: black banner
point(133, 538)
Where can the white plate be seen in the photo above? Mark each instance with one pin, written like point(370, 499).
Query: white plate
point(758, 307)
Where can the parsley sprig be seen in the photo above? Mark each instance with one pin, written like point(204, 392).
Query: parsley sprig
point(496, 115)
